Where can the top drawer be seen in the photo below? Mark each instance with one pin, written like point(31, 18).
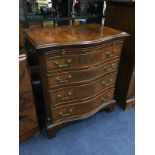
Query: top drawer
point(75, 59)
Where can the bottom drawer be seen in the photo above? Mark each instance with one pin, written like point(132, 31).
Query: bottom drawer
point(82, 108)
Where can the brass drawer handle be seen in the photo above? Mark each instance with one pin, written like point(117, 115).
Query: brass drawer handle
point(65, 80)
point(109, 54)
point(107, 83)
point(63, 65)
point(64, 98)
point(66, 114)
point(108, 69)
point(105, 98)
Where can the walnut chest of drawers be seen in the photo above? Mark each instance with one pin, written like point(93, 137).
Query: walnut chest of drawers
point(78, 68)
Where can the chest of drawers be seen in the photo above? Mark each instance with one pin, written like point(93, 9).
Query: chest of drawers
point(78, 69)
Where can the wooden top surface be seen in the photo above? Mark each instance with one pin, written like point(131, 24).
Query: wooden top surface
point(42, 37)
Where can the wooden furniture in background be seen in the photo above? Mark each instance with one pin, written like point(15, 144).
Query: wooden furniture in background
point(21, 39)
point(121, 15)
point(78, 68)
point(28, 125)
point(130, 98)
point(62, 11)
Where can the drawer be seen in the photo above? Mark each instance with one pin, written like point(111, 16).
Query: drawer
point(89, 58)
point(82, 92)
point(82, 76)
point(82, 108)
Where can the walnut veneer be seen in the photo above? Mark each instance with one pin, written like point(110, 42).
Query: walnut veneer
point(78, 69)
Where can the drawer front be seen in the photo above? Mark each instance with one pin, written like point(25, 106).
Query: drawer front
point(79, 109)
point(82, 76)
point(69, 61)
point(82, 92)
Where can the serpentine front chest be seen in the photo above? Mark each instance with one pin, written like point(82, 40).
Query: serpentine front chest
point(78, 69)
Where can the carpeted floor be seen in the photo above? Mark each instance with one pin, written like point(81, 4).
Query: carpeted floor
point(102, 134)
